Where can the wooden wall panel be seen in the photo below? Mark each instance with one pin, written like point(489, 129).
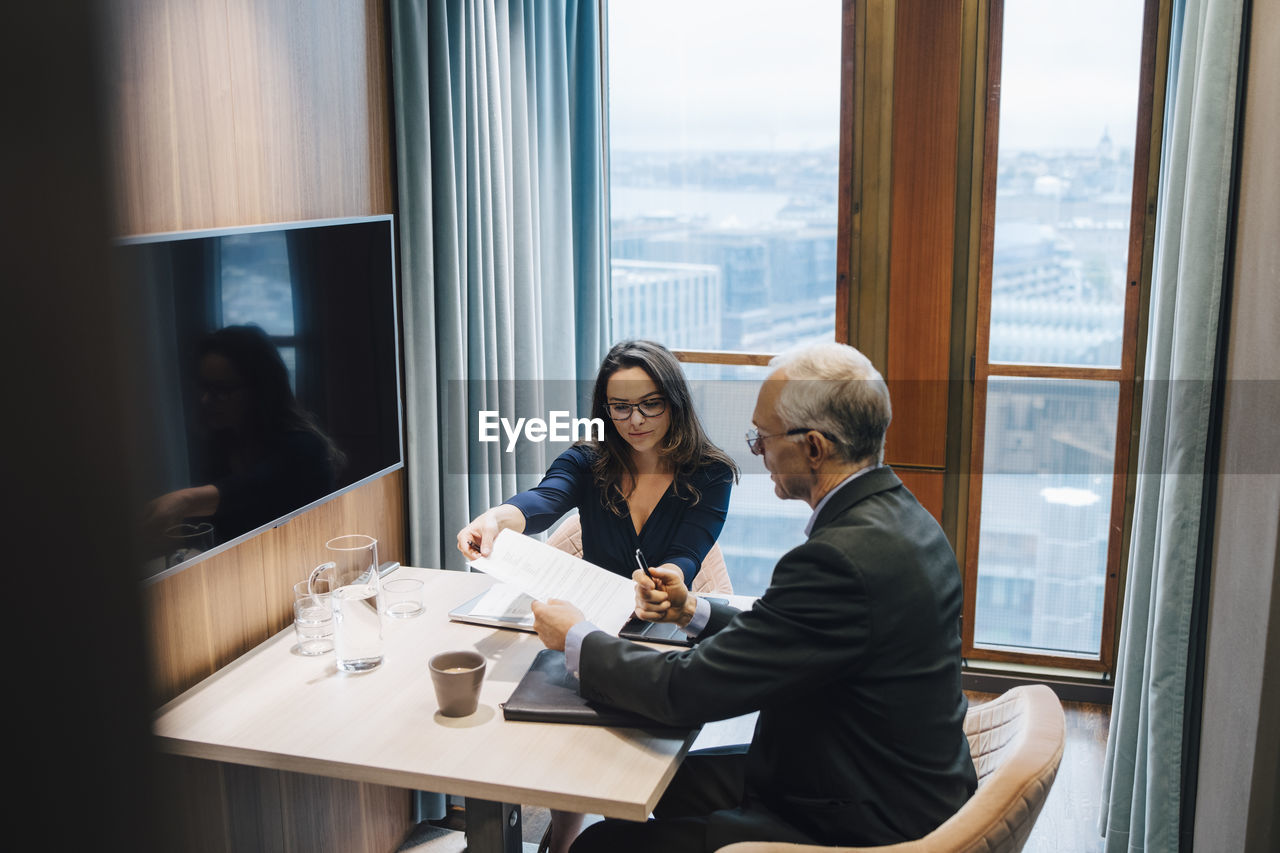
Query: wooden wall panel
point(172, 115)
point(326, 821)
point(382, 810)
point(927, 486)
point(213, 807)
point(253, 805)
point(312, 123)
point(193, 814)
point(926, 91)
point(242, 112)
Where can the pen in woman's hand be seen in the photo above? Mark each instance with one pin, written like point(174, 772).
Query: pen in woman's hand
point(644, 567)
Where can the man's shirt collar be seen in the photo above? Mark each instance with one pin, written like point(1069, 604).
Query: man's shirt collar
point(808, 528)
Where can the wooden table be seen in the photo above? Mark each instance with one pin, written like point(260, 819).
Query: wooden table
point(274, 708)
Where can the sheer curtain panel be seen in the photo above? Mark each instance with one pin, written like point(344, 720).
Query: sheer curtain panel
point(500, 141)
point(1142, 778)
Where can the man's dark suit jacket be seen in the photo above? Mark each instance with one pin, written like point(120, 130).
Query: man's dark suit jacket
point(852, 658)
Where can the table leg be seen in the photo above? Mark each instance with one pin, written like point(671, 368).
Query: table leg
point(492, 827)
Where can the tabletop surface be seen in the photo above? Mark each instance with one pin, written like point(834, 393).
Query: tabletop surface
point(275, 708)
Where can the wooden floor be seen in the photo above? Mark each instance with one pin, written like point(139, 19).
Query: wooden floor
point(1069, 822)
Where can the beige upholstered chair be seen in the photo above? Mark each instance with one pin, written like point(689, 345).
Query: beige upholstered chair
point(1016, 742)
point(713, 576)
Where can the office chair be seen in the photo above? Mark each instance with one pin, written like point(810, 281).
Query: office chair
point(1016, 742)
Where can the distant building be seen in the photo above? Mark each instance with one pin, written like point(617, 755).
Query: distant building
point(1032, 262)
point(676, 304)
point(1046, 505)
point(777, 282)
point(1050, 306)
point(781, 325)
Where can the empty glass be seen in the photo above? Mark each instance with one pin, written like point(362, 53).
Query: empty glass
point(402, 597)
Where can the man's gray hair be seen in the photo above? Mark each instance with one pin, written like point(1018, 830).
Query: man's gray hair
point(836, 390)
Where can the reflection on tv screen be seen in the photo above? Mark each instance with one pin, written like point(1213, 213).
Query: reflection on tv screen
point(273, 363)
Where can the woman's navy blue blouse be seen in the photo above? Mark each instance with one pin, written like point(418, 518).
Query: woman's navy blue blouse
point(678, 530)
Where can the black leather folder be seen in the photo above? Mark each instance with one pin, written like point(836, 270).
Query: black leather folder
point(548, 693)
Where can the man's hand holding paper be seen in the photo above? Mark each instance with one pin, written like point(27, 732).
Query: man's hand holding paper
point(552, 621)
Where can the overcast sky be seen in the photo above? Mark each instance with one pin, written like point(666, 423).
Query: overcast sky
point(1043, 107)
point(767, 76)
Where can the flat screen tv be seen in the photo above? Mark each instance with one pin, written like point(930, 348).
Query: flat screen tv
point(273, 362)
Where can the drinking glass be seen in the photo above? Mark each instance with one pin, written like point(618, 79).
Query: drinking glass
point(402, 597)
point(313, 617)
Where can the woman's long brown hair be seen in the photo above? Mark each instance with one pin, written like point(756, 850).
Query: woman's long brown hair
point(685, 446)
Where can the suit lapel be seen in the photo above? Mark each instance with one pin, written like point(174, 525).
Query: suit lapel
point(871, 483)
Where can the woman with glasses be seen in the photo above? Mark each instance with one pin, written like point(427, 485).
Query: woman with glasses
point(656, 482)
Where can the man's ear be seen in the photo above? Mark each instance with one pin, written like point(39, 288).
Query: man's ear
point(817, 448)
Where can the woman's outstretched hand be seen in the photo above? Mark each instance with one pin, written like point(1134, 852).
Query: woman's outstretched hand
point(476, 539)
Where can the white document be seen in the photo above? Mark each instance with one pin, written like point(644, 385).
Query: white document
point(502, 601)
point(525, 565)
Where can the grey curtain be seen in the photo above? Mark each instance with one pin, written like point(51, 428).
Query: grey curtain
point(502, 215)
point(1142, 791)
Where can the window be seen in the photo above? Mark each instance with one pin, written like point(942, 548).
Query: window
point(255, 287)
point(724, 176)
point(778, 176)
point(1063, 221)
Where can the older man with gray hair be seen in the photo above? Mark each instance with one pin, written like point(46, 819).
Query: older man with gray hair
point(851, 656)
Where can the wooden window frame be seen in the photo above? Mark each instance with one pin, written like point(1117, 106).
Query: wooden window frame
point(1142, 208)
